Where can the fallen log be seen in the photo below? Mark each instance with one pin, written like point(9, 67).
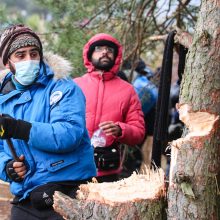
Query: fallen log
point(138, 197)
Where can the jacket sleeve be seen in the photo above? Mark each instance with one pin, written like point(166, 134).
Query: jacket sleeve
point(66, 126)
point(133, 128)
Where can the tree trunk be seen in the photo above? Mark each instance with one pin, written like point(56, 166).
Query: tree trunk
point(139, 197)
point(195, 158)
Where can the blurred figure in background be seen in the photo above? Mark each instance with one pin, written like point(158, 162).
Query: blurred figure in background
point(148, 94)
point(175, 127)
point(122, 75)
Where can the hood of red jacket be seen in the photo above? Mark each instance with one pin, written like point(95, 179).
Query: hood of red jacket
point(88, 64)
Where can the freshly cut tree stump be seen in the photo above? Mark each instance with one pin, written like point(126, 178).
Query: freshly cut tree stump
point(140, 196)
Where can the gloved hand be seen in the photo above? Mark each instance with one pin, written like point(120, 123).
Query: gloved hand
point(12, 128)
point(16, 170)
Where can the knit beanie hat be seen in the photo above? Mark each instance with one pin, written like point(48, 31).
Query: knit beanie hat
point(15, 37)
point(102, 43)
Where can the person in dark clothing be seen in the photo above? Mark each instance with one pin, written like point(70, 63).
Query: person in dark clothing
point(122, 75)
point(175, 127)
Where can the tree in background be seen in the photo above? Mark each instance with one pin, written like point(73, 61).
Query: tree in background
point(67, 25)
point(136, 23)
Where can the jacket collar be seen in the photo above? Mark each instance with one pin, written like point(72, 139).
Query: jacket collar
point(102, 75)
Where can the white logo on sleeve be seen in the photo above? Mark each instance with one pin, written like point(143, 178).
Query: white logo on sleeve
point(55, 97)
point(45, 195)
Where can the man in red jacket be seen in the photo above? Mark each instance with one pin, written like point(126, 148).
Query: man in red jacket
point(112, 105)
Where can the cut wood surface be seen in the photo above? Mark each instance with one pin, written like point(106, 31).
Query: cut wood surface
point(140, 196)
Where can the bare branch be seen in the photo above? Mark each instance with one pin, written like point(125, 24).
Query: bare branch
point(98, 13)
point(158, 37)
point(183, 37)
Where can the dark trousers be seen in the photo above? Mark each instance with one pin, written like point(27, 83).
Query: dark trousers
point(29, 210)
point(25, 211)
point(108, 178)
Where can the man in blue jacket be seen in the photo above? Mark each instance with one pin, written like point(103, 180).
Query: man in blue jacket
point(148, 94)
point(43, 115)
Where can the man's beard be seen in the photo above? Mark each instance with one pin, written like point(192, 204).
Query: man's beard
point(101, 65)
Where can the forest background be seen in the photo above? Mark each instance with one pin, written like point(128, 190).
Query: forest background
point(140, 25)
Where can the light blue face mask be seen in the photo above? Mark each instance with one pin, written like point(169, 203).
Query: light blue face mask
point(27, 71)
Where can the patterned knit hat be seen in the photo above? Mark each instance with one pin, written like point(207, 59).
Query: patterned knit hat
point(15, 37)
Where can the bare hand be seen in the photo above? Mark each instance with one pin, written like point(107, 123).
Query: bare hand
point(110, 128)
point(20, 168)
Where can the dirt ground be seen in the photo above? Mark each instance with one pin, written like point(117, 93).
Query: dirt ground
point(5, 198)
point(5, 208)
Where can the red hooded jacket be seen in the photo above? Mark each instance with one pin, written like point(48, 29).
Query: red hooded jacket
point(109, 98)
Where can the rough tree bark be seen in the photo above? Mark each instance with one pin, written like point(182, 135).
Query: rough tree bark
point(195, 158)
point(139, 197)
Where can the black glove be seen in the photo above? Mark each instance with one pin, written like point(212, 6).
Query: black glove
point(11, 172)
point(12, 128)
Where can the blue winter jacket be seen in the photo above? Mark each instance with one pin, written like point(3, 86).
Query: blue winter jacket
point(59, 147)
point(147, 92)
